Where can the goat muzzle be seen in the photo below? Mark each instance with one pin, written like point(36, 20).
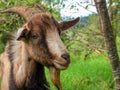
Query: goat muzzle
point(66, 57)
point(62, 62)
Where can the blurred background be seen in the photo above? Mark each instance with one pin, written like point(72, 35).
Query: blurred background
point(89, 69)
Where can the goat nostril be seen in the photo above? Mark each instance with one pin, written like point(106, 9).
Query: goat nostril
point(66, 57)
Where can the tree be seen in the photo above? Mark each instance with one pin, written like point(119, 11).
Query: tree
point(107, 31)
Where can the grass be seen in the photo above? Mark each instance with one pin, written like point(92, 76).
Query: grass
point(92, 74)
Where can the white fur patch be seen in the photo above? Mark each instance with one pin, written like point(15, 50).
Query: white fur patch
point(20, 31)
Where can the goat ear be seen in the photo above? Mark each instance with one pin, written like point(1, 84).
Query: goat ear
point(22, 33)
point(67, 24)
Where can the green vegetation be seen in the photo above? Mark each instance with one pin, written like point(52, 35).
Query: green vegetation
point(92, 74)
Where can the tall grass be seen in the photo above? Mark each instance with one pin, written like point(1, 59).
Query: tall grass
point(92, 74)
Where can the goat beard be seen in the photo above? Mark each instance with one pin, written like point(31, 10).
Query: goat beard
point(55, 77)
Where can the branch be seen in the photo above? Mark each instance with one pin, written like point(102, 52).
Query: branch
point(87, 8)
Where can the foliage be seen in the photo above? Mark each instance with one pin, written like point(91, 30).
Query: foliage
point(85, 38)
point(114, 13)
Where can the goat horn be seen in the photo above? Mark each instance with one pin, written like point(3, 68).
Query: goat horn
point(41, 7)
point(25, 11)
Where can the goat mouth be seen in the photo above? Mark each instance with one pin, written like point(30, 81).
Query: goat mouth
point(59, 65)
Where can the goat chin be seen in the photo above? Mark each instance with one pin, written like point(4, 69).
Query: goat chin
point(60, 63)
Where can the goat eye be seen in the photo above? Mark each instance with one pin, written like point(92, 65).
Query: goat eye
point(35, 36)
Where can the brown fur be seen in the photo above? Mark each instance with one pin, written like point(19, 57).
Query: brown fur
point(20, 71)
point(28, 50)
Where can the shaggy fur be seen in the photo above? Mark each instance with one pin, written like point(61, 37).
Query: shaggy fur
point(28, 50)
point(23, 72)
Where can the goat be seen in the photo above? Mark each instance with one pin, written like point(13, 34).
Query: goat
point(35, 45)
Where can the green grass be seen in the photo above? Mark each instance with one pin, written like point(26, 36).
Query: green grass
point(92, 74)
